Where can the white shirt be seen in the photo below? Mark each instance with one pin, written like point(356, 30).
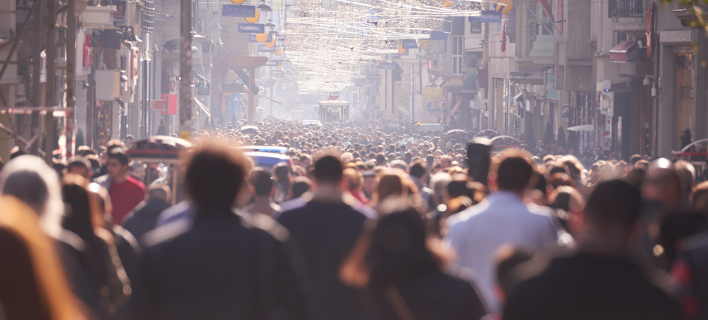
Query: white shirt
point(501, 218)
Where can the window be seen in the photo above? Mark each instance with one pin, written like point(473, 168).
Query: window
point(475, 27)
point(458, 47)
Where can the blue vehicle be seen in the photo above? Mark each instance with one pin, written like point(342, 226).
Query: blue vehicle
point(269, 149)
point(268, 159)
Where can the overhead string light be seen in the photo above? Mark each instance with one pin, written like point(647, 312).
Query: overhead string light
point(331, 42)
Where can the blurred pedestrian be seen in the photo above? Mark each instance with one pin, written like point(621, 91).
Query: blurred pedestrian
point(599, 280)
point(400, 266)
point(502, 217)
point(226, 265)
point(326, 229)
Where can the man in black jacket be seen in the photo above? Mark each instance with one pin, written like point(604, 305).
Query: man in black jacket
point(326, 229)
point(225, 265)
point(601, 280)
point(143, 219)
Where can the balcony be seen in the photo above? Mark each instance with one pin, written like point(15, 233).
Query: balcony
point(625, 8)
point(627, 16)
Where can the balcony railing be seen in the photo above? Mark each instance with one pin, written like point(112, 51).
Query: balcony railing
point(625, 8)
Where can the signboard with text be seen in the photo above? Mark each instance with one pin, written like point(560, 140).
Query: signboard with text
point(251, 28)
point(486, 16)
point(233, 10)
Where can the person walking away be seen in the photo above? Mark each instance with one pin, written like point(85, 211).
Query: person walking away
point(326, 229)
point(33, 282)
point(283, 182)
point(502, 217)
point(418, 175)
point(91, 257)
point(301, 185)
point(227, 265)
point(404, 278)
point(261, 187)
point(143, 218)
point(126, 192)
point(600, 280)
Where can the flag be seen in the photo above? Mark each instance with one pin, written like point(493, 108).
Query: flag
point(547, 9)
point(459, 102)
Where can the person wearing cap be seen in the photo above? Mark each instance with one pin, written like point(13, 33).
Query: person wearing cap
point(126, 192)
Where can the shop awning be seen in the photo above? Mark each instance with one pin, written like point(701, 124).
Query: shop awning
point(621, 51)
point(203, 107)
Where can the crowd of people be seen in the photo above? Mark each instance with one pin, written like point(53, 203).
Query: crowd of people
point(366, 221)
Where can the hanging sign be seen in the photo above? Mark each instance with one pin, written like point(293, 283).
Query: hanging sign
point(409, 44)
point(264, 48)
point(486, 16)
point(232, 10)
point(387, 65)
point(251, 28)
point(254, 38)
point(276, 72)
point(272, 63)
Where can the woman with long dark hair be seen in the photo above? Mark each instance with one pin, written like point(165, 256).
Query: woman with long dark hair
point(399, 265)
point(95, 269)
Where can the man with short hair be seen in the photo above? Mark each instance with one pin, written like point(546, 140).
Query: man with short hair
point(477, 232)
point(261, 187)
point(225, 265)
point(418, 174)
point(601, 280)
point(301, 185)
point(80, 166)
point(126, 192)
point(326, 229)
point(143, 218)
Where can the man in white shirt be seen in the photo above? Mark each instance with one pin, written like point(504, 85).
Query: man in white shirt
point(502, 217)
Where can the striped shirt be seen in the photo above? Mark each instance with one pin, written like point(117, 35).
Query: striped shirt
point(125, 196)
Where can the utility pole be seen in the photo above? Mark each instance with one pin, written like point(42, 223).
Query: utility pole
point(185, 70)
point(146, 87)
point(51, 77)
point(36, 74)
point(70, 75)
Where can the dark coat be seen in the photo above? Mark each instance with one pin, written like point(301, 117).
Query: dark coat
point(326, 232)
point(591, 286)
point(432, 296)
point(223, 266)
point(143, 219)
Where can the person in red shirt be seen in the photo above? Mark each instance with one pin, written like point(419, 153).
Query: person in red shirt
point(126, 192)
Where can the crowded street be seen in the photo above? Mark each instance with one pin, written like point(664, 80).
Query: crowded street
point(353, 160)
